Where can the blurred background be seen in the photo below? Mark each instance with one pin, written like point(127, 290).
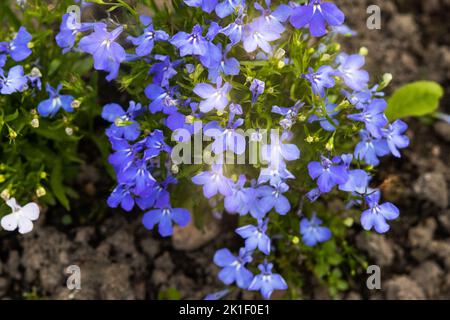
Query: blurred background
point(119, 259)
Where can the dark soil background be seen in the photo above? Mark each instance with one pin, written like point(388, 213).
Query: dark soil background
point(119, 259)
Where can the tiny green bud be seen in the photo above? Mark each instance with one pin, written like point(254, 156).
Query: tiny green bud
point(279, 54)
point(189, 119)
point(363, 51)
point(387, 78)
point(348, 222)
point(325, 57)
point(295, 240)
point(309, 139)
point(2, 178)
point(43, 175)
point(5, 195)
point(35, 123)
point(301, 117)
point(175, 169)
point(280, 64)
point(69, 131)
point(12, 134)
point(75, 104)
point(40, 192)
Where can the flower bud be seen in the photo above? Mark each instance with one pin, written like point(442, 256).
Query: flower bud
point(309, 139)
point(75, 104)
point(363, 51)
point(279, 54)
point(175, 169)
point(189, 119)
point(5, 195)
point(295, 240)
point(35, 123)
point(69, 131)
point(40, 192)
point(2, 178)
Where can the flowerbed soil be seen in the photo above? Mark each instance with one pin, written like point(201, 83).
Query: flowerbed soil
point(119, 259)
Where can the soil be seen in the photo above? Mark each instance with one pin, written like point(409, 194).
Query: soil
point(119, 259)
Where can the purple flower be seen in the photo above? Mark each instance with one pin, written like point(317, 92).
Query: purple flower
point(163, 71)
point(234, 30)
point(358, 182)
point(256, 237)
point(122, 196)
point(234, 269)
point(123, 123)
point(155, 145)
point(55, 102)
point(349, 71)
point(107, 53)
point(373, 117)
point(190, 44)
point(266, 282)
point(274, 19)
point(316, 14)
point(227, 7)
point(206, 5)
point(327, 122)
point(370, 148)
point(226, 139)
point(162, 99)
point(313, 195)
point(276, 152)
point(321, 79)
point(215, 98)
point(217, 295)
point(395, 138)
point(146, 41)
point(257, 88)
point(213, 181)
point(272, 197)
point(312, 232)
point(124, 152)
point(164, 215)
point(16, 81)
point(68, 31)
point(137, 174)
point(274, 173)
point(18, 47)
point(227, 66)
point(244, 200)
point(328, 174)
point(257, 34)
point(376, 215)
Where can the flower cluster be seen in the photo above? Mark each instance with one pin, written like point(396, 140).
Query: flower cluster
point(227, 75)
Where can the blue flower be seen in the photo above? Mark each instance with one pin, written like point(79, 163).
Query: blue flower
point(123, 196)
point(18, 47)
point(395, 138)
point(16, 81)
point(215, 98)
point(321, 79)
point(56, 101)
point(267, 281)
point(227, 7)
point(227, 66)
point(234, 269)
point(206, 5)
point(257, 88)
point(155, 145)
point(234, 30)
point(123, 123)
point(68, 31)
point(257, 34)
point(256, 237)
point(312, 232)
point(124, 152)
point(316, 14)
point(164, 215)
point(373, 117)
point(244, 200)
point(217, 295)
point(377, 214)
point(274, 173)
point(349, 70)
point(276, 152)
point(328, 174)
point(274, 19)
point(272, 197)
point(190, 44)
point(137, 174)
point(370, 148)
point(162, 99)
point(213, 181)
point(327, 122)
point(290, 114)
point(163, 71)
point(146, 41)
point(107, 53)
point(358, 182)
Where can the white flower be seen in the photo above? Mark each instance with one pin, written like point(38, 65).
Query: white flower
point(21, 217)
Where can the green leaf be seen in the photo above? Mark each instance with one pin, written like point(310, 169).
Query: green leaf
point(12, 116)
point(56, 183)
point(415, 99)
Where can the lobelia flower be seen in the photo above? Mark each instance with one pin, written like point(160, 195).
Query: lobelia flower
point(123, 123)
point(234, 30)
point(234, 269)
point(256, 237)
point(122, 196)
point(272, 197)
point(317, 14)
point(213, 181)
point(137, 174)
point(68, 31)
point(321, 79)
point(358, 182)
point(190, 44)
point(267, 281)
point(394, 137)
point(376, 216)
point(215, 98)
point(274, 19)
point(206, 5)
point(227, 7)
point(373, 117)
point(21, 217)
point(35, 78)
point(327, 122)
point(155, 192)
point(18, 48)
point(3, 58)
point(55, 102)
point(124, 152)
point(328, 173)
point(228, 138)
point(217, 295)
point(107, 53)
point(16, 81)
point(162, 99)
point(349, 70)
point(163, 71)
point(155, 145)
point(257, 88)
point(290, 114)
point(146, 41)
point(313, 195)
point(164, 216)
point(370, 148)
point(227, 66)
point(274, 173)
point(312, 232)
point(277, 151)
point(257, 34)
